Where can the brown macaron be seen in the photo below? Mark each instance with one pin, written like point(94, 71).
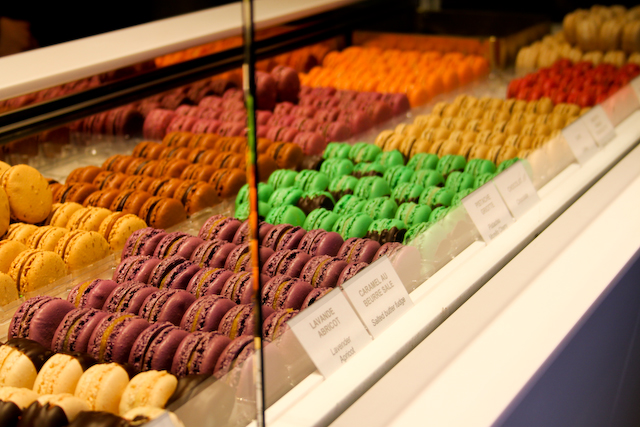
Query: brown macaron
point(171, 168)
point(198, 172)
point(122, 164)
point(177, 139)
point(176, 153)
point(108, 179)
point(101, 198)
point(228, 159)
point(162, 212)
point(137, 182)
point(228, 182)
point(204, 140)
point(148, 150)
point(140, 165)
point(196, 195)
point(266, 166)
point(287, 155)
point(130, 201)
point(164, 187)
point(77, 192)
point(84, 174)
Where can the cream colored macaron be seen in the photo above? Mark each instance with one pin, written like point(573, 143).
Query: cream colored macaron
point(21, 397)
point(59, 374)
point(102, 386)
point(150, 388)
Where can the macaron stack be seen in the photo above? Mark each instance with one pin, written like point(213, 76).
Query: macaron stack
point(418, 75)
point(40, 387)
point(486, 128)
point(599, 35)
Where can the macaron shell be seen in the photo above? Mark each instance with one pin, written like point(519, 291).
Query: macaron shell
point(117, 227)
point(9, 250)
point(151, 388)
point(5, 212)
point(30, 198)
point(33, 269)
point(16, 369)
point(82, 248)
point(102, 387)
point(60, 374)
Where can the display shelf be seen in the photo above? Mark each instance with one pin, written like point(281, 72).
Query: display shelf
point(489, 354)
point(443, 293)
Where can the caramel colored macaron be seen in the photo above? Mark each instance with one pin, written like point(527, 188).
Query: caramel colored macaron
point(5, 212)
point(81, 248)
point(34, 269)
point(83, 174)
point(228, 182)
point(163, 212)
point(46, 238)
point(61, 213)
point(88, 219)
point(77, 192)
point(101, 198)
point(28, 192)
point(9, 250)
point(287, 155)
point(130, 201)
point(117, 227)
point(196, 195)
point(165, 187)
point(266, 166)
point(137, 182)
point(177, 139)
point(20, 232)
point(171, 168)
point(141, 166)
point(198, 172)
point(204, 140)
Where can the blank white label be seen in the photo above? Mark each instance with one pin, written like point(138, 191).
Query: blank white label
point(516, 189)
point(599, 125)
point(580, 140)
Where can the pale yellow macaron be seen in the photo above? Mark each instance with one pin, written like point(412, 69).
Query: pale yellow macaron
point(17, 369)
point(150, 388)
point(59, 374)
point(22, 397)
point(70, 404)
point(102, 386)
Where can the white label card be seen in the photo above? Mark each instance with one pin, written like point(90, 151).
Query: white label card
point(599, 125)
point(330, 332)
point(488, 211)
point(378, 295)
point(516, 189)
point(621, 104)
point(580, 140)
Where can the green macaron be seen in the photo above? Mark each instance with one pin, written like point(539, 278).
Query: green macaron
point(380, 208)
point(450, 163)
point(342, 185)
point(438, 213)
point(504, 165)
point(413, 213)
point(286, 215)
point(397, 175)
point(482, 179)
point(390, 158)
point(416, 231)
point(423, 161)
point(370, 187)
point(320, 219)
point(282, 178)
point(457, 199)
point(407, 192)
point(308, 180)
point(364, 152)
point(427, 177)
point(265, 190)
point(457, 181)
point(337, 167)
point(387, 230)
point(335, 150)
point(368, 169)
point(242, 211)
point(436, 196)
point(285, 196)
point(477, 166)
point(355, 224)
point(348, 204)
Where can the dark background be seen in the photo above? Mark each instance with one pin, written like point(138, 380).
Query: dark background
point(56, 22)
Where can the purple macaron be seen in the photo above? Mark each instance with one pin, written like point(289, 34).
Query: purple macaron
point(240, 258)
point(321, 242)
point(112, 339)
point(242, 234)
point(198, 353)
point(276, 324)
point(283, 236)
point(156, 346)
point(314, 296)
point(219, 227)
point(166, 305)
point(38, 318)
point(173, 273)
point(91, 294)
point(239, 287)
point(240, 320)
point(206, 313)
point(142, 242)
point(76, 328)
point(212, 253)
point(289, 262)
point(137, 268)
point(177, 244)
point(356, 249)
point(208, 281)
point(323, 271)
point(236, 352)
point(285, 292)
point(351, 270)
point(128, 297)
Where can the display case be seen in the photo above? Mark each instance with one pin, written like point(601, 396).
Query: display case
point(464, 290)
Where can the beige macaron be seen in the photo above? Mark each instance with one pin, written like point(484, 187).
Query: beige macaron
point(59, 374)
point(22, 397)
point(30, 197)
point(150, 388)
point(70, 404)
point(17, 369)
point(102, 386)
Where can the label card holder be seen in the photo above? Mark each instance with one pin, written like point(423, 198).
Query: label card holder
point(621, 104)
point(598, 124)
point(330, 332)
point(488, 211)
point(516, 189)
point(580, 141)
point(378, 296)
